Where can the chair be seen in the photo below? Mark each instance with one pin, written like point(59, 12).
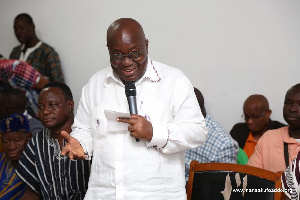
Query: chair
point(226, 181)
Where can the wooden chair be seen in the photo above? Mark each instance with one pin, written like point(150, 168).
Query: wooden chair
point(207, 180)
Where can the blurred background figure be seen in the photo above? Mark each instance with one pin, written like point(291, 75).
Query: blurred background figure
point(34, 51)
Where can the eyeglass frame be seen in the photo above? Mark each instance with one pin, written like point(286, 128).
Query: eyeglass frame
point(254, 118)
point(128, 55)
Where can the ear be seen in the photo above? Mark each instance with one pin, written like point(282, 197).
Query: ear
point(146, 44)
point(70, 104)
point(268, 113)
point(29, 136)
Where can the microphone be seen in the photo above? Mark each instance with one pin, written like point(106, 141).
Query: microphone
point(130, 92)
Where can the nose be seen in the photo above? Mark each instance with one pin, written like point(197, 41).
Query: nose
point(295, 107)
point(45, 110)
point(12, 145)
point(17, 31)
point(127, 61)
point(249, 121)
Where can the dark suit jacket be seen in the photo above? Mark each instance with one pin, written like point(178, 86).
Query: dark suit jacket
point(240, 131)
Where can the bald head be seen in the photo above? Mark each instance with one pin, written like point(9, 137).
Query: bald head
point(257, 99)
point(128, 49)
point(257, 113)
point(125, 29)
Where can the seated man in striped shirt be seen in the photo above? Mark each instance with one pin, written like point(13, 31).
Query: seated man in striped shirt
point(15, 135)
point(47, 173)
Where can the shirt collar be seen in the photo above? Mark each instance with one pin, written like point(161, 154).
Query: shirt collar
point(151, 74)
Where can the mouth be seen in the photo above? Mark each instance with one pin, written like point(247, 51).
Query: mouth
point(292, 118)
point(21, 38)
point(251, 127)
point(129, 72)
point(46, 120)
point(12, 156)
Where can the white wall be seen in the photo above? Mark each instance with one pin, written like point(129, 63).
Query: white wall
point(228, 48)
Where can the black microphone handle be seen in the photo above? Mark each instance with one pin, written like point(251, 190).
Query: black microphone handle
point(132, 104)
point(132, 108)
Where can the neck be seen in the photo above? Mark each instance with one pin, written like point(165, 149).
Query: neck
point(14, 163)
point(31, 43)
point(56, 132)
point(294, 132)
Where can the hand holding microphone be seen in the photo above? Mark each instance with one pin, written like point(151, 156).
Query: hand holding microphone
point(139, 127)
point(130, 92)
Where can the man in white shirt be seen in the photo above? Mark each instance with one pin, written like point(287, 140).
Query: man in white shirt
point(169, 120)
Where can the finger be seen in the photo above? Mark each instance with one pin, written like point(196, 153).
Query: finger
point(124, 120)
point(130, 128)
point(66, 135)
point(64, 151)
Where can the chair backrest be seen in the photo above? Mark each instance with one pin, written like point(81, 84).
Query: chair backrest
point(227, 181)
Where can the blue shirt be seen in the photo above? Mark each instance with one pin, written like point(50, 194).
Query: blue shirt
point(218, 147)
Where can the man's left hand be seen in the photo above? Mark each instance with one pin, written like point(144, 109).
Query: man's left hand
point(138, 127)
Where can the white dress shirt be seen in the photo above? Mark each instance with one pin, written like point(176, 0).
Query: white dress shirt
point(123, 168)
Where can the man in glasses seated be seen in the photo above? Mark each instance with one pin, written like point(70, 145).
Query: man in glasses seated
point(277, 148)
point(257, 122)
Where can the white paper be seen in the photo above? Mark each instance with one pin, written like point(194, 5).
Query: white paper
point(112, 124)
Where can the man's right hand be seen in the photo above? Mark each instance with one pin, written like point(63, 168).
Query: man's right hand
point(73, 149)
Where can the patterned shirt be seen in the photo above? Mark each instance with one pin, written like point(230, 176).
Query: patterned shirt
point(44, 59)
point(48, 173)
point(291, 179)
point(218, 147)
point(11, 187)
point(20, 75)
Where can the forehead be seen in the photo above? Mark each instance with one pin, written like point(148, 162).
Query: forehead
point(293, 93)
point(253, 106)
point(21, 20)
point(13, 134)
point(51, 93)
point(125, 39)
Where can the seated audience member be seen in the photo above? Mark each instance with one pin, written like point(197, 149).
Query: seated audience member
point(290, 179)
point(14, 134)
point(277, 148)
point(20, 75)
point(257, 118)
point(47, 173)
point(218, 147)
point(35, 52)
point(15, 102)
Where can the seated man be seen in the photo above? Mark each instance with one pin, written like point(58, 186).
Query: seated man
point(257, 118)
point(47, 173)
point(277, 148)
point(15, 102)
point(15, 135)
point(218, 147)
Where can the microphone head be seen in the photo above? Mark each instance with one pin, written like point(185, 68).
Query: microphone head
point(130, 89)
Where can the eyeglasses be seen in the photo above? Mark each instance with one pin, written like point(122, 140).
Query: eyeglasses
point(253, 117)
point(132, 55)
